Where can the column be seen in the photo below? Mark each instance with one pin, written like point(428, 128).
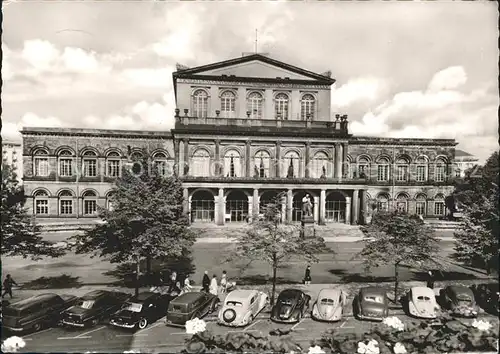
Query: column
point(186, 157)
point(221, 208)
point(101, 169)
point(347, 210)
point(364, 206)
point(255, 201)
point(250, 207)
point(338, 161)
point(344, 160)
point(185, 202)
point(322, 206)
point(316, 209)
point(218, 168)
point(289, 205)
point(248, 160)
point(307, 159)
point(355, 207)
point(177, 162)
point(277, 163)
point(283, 209)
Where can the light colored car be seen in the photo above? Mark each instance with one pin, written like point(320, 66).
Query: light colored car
point(241, 307)
point(421, 302)
point(329, 305)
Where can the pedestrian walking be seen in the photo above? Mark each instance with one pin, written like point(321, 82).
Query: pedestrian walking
point(206, 282)
point(307, 276)
point(214, 288)
point(7, 285)
point(430, 279)
point(187, 284)
point(223, 282)
point(173, 278)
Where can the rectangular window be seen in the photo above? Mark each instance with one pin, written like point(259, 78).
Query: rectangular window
point(439, 174)
point(439, 208)
point(420, 208)
point(66, 167)
point(41, 207)
point(383, 173)
point(228, 107)
point(363, 171)
point(90, 168)
point(89, 207)
point(421, 173)
point(382, 206)
point(402, 173)
point(41, 166)
point(113, 168)
point(66, 207)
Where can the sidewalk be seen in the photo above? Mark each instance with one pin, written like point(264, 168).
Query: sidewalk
point(327, 239)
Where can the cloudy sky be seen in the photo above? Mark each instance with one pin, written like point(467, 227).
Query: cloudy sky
point(403, 69)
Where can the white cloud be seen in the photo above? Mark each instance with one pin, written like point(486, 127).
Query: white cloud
point(40, 54)
point(78, 60)
point(448, 79)
point(11, 131)
point(158, 78)
point(363, 88)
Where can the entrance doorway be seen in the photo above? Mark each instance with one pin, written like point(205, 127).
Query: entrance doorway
point(335, 207)
point(297, 205)
point(236, 207)
point(202, 207)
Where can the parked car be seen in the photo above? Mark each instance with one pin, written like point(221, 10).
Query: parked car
point(35, 312)
point(486, 295)
point(140, 311)
point(241, 307)
point(94, 307)
point(291, 306)
point(329, 305)
point(371, 303)
point(190, 305)
point(421, 303)
point(459, 300)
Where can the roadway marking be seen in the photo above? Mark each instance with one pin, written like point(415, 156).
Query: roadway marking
point(32, 334)
point(152, 326)
point(253, 324)
point(131, 335)
point(295, 325)
point(83, 335)
point(179, 333)
point(343, 324)
point(243, 331)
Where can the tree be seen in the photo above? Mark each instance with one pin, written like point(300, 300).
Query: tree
point(398, 239)
point(270, 240)
point(476, 242)
point(146, 222)
point(20, 235)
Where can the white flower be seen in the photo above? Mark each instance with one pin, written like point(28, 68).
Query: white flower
point(399, 349)
point(13, 344)
point(316, 350)
point(395, 323)
point(481, 325)
point(195, 326)
point(370, 348)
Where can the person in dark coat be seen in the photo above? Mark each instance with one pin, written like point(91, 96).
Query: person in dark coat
point(7, 285)
point(430, 279)
point(307, 276)
point(206, 282)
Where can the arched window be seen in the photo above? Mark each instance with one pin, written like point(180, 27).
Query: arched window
point(362, 168)
point(66, 202)
point(41, 201)
point(200, 104)
point(254, 105)
point(382, 202)
point(422, 169)
point(200, 163)
point(89, 203)
point(291, 165)
point(65, 163)
point(307, 105)
point(319, 166)
point(89, 164)
point(261, 164)
point(281, 106)
point(113, 164)
point(41, 163)
point(161, 164)
point(232, 164)
point(383, 169)
point(440, 171)
point(421, 205)
point(439, 206)
point(402, 203)
point(402, 169)
point(109, 201)
point(228, 104)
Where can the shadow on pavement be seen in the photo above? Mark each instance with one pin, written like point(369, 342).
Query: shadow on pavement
point(442, 275)
point(348, 277)
point(262, 280)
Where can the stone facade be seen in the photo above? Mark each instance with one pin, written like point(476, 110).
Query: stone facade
point(239, 141)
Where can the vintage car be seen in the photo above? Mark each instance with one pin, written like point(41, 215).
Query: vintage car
point(190, 305)
point(138, 312)
point(487, 296)
point(291, 306)
point(329, 305)
point(371, 303)
point(93, 307)
point(36, 312)
point(459, 300)
point(241, 307)
point(421, 303)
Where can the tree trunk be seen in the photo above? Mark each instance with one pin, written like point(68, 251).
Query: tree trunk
point(275, 267)
point(148, 265)
point(137, 276)
point(396, 283)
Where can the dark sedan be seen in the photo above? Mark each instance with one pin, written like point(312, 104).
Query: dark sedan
point(486, 295)
point(291, 306)
point(94, 307)
point(371, 303)
point(459, 300)
point(189, 306)
point(137, 313)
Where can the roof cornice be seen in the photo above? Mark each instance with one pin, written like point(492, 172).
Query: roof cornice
point(111, 133)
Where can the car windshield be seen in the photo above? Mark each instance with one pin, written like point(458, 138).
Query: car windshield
point(423, 298)
point(86, 304)
point(234, 303)
point(133, 307)
point(328, 302)
point(285, 301)
point(373, 298)
point(464, 298)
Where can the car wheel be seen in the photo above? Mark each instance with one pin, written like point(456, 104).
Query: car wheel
point(143, 323)
point(37, 327)
point(94, 322)
point(229, 315)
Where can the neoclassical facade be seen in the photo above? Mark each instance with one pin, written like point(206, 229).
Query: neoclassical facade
point(246, 130)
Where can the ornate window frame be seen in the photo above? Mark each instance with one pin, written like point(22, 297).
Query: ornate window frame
point(223, 104)
point(64, 196)
point(41, 165)
point(282, 107)
point(258, 111)
point(195, 104)
point(308, 106)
